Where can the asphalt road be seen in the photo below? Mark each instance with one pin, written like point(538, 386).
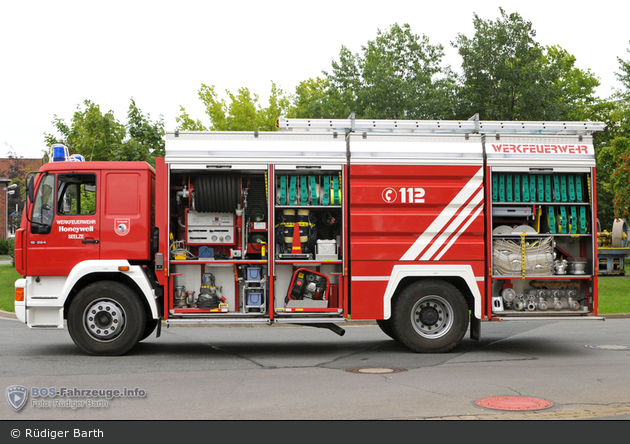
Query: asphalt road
point(305, 373)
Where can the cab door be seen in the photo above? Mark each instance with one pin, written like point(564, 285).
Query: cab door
point(65, 227)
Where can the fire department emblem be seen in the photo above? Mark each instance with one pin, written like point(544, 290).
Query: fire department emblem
point(122, 226)
point(17, 396)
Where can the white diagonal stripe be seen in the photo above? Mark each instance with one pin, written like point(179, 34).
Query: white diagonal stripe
point(454, 238)
point(447, 213)
point(461, 217)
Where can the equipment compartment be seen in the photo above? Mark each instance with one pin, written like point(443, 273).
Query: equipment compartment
point(219, 231)
point(542, 242)
point(537, 297)
point(307, 238)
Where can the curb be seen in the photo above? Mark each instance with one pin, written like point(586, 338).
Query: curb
point(7, 315)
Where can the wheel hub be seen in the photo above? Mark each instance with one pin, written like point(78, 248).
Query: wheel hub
point(432, 317)
point(104, 320)
point(429, 316)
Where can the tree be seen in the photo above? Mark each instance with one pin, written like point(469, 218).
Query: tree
point(571, 91)
point(187, 123)
point(243, 113)
point(312, 101)
point(397, 76)
point(98, 136)
point(146, 138)
point(624, 77)
point(279, 104)
point(616, 158)
point(613, 189)
point(508, 75)
point(15, 168)
point(91, 133)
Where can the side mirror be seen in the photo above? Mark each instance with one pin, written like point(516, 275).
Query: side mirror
point(30, 186)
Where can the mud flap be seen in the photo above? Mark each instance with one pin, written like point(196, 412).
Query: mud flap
point(475, 328)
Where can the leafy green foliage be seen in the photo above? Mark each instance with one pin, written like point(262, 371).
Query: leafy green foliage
point(311, 100)
point(242, 113)
point(98, 136)
point(146, 138)
point(92, 134)
point(624, 76)
point(279, 104)
point(398, 75)
point(187, 123)
point(616, 155)
point(6, 247)
point(507, 75)
point(613, 189)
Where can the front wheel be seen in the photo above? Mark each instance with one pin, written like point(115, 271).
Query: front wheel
point(430, 316)
point(106, 318)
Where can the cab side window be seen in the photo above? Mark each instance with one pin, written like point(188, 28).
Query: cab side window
point(76, 194)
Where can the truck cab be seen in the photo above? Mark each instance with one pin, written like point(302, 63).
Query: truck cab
point(84, 222)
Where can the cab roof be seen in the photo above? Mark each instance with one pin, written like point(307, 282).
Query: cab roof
point(97, 165)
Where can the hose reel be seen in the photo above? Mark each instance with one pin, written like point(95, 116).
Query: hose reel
point(216, 193)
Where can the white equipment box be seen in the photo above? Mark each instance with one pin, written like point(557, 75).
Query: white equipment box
point(210, 228)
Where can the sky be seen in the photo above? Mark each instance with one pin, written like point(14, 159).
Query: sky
point(54, 55)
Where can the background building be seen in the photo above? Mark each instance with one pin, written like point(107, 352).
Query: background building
point(13, 170)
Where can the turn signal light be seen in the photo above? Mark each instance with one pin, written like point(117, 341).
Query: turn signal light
point(123, 268)
point(19, 294)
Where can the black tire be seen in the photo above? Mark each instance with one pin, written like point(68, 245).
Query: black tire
point(106, 318)
point(430, 316)
point(386, 327)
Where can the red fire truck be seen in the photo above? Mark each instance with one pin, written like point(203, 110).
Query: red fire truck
point(426, 227)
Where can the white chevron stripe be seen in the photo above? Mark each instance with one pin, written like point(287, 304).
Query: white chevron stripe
point(443, 237)
point(454, 238)
point(427, 238)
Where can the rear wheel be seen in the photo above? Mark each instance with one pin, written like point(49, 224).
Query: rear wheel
point(106, 318)
point(430, 316)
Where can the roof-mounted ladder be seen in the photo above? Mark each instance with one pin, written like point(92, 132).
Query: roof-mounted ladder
point(440, 126)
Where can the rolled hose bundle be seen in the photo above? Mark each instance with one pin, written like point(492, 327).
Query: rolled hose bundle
point(510, 258)
point(217, 193)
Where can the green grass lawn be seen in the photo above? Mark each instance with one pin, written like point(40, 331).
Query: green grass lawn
point(8, 275)
point(614, 295)
point(614, 292)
